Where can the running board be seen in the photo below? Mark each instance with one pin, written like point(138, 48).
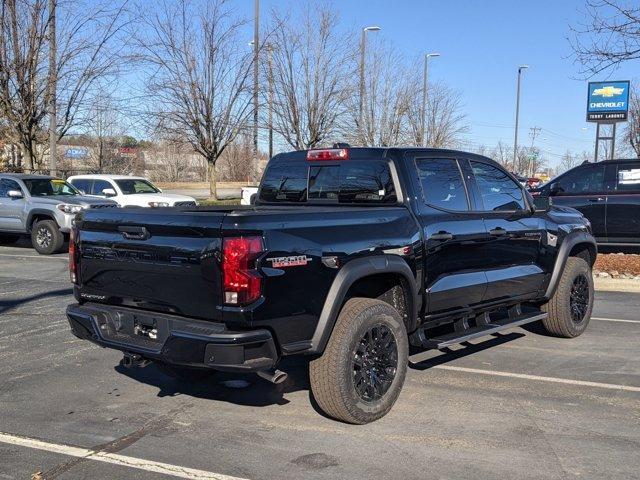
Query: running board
point(445, 341)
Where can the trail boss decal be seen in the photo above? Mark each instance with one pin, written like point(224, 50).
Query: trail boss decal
point(284, 262)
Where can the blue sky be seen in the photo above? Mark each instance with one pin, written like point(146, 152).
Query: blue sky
point(482, 43)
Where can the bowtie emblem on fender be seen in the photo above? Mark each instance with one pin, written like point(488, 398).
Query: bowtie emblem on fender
point(293, 261)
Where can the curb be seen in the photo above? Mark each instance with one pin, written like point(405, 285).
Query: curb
point(616, 285)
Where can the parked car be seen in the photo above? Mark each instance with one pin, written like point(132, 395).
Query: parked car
point(248, 195)
point(607, 193)
point(349, 255)
point(129, 191)
point(41, 206)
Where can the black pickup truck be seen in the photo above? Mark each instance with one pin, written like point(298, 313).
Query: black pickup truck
point(349, 255)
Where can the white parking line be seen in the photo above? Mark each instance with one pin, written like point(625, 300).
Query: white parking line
point(44, 257)
point(524, 376)
point(614, 320)
point(115, 459)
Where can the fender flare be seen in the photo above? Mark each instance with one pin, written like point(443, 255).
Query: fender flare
point(39, 211)
point(570, 241)
point(347, 276)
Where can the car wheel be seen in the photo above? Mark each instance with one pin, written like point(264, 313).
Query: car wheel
point(360, 374)
point(185, 373)
point(46, 237)
point(572, 303)
point(8, 239)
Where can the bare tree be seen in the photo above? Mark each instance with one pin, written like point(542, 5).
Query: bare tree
point(89, 47)
point(312, 62)
point(632, 132)
point(568, 161)
point(199, 75)
point(387, 99)
point(503, 154)
point(236, 163)
point(609, 36)
point(445, 121)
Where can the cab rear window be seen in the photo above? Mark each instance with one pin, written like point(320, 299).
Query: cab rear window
point(347, 182)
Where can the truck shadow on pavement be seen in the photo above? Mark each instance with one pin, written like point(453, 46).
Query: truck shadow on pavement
point(251, 390)
point(8, 305)
point(238, 388)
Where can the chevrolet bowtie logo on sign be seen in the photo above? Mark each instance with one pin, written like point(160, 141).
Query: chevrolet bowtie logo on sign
point(608, 91)
point(608, 101)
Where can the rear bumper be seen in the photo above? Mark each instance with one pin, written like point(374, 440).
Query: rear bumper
point(173, 339)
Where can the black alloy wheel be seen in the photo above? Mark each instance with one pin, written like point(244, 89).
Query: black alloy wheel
point(375, 362)
point(579, 299)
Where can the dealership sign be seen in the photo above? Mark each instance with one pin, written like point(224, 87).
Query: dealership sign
point(608, 102)
point(76, 152)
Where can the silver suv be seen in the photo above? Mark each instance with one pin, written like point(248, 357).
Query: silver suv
point(43, 207)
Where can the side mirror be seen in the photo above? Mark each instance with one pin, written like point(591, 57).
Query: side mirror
point(82, 192)
point(15, 194)
point(554, 189)
point(109, 192)
point(542, 203)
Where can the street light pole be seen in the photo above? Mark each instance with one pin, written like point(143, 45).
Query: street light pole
point(423, 110)
point(270, 73)
point(362, 58)
point(515, 140)
point(53, 122)
point(256, 51)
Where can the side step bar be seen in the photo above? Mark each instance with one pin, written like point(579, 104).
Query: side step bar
point(445, 341)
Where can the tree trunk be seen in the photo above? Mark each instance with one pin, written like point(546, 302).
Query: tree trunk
point(213, 194)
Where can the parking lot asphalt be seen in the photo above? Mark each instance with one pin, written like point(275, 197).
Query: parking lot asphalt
point(519, 405)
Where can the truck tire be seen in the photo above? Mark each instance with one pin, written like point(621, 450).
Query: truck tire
point(184, 373)
point(369, 338)
point(46, 237)
point(572, 303)
point(8, 239)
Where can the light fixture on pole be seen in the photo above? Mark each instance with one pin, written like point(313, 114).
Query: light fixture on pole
point(372, 28)
point(423, 110)
point(515, 140)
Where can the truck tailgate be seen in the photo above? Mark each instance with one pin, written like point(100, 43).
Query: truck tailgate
point(164, 259)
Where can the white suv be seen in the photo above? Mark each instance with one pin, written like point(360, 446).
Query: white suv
point(128, 191)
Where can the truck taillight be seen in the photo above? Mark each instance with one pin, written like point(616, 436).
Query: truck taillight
point(241, 282)
point(73, 255)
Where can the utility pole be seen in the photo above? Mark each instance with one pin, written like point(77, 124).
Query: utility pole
point(270, 73)
point(363, 40)
point(533, 133)
point(53, 122)
point(256, 51)
point(425, 86)
point(515, 140)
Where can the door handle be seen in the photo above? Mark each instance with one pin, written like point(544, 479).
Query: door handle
point(599, 199)
point(441, 236)
point(497, 232)
point(134, 233)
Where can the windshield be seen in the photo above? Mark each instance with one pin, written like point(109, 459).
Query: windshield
point(45, 187)
point(135, 186)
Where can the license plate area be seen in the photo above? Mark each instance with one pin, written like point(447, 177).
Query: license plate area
point(144, 330)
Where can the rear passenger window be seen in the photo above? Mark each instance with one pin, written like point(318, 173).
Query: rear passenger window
point(285, 183)
point(628, 179)
point(324, 182)
point(348, 182)
point(499, 192)
point(442, 183)
point(368, 182)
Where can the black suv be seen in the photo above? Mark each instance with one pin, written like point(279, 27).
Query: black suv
point(607, 193)
point(348, 256)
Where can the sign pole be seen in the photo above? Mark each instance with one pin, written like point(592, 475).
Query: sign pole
point(595, 158)
point(613, 142)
